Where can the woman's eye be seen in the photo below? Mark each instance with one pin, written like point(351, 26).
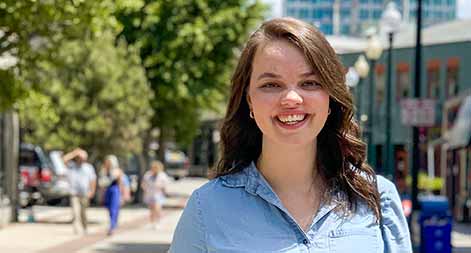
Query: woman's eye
point(270, 85)
point(310, 84)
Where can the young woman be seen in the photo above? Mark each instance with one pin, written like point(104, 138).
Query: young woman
point(111, 178)
point(292, 176)
point(154, 184)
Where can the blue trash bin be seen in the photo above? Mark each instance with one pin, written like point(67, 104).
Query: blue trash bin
point(435, 225)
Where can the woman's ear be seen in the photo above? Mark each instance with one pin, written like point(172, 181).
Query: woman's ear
point(247, 98)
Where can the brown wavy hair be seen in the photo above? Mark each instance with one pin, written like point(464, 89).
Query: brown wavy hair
point(340, 152)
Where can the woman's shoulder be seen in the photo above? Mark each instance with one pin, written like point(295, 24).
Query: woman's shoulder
point(209, 189)
point(386, 187)
point(217, 190)
point(395, 229)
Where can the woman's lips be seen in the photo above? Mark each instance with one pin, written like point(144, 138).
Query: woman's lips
point(291, 121)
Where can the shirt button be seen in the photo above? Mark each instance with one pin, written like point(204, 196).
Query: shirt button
point(305, 241)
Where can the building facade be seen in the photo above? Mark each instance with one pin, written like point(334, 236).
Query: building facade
point(352, 17)
point(446, 81)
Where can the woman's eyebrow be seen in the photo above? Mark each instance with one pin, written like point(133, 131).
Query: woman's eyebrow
point(310, 73)
point(268, 75)
point(273, 75)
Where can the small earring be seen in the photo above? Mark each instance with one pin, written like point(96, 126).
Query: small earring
point(251, 114)
point(329, 112)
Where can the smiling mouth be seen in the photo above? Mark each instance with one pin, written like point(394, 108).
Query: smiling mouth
point(291, 119)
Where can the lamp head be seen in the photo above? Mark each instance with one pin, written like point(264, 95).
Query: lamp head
point(391, 18)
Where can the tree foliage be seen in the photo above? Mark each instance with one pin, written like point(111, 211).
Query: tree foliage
point(187, 48)
point(94, 95)
point(32, 29)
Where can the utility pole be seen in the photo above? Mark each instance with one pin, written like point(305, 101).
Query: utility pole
point(415, 130)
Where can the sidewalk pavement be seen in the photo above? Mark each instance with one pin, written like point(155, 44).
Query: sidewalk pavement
point(143, 239)
point(461, 238)
point(52, 231)
point(54, 227)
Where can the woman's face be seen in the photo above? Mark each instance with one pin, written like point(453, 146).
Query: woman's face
point(154, 168)
point(284, 93)
point(107, 164)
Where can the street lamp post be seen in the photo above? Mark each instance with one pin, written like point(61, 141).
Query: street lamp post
point(390, 21)
point(351, 79)
point(362, 68)
point(373, 53)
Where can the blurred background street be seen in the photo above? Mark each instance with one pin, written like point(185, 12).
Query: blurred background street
point(149, 80)
point(52, 231)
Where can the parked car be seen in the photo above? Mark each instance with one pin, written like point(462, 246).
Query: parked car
point(59, 190)
point(40, 179)
point(176, 163)
point(35, 173)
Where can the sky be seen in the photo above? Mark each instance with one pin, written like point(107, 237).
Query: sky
point(463, 8)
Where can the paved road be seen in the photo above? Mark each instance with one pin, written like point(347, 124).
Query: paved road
point(52, 232)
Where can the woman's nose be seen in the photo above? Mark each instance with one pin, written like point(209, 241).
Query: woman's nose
point(291, 97)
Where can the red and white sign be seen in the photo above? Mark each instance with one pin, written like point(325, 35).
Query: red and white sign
point(418, 112)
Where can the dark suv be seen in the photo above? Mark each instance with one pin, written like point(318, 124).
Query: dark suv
point(39, 180)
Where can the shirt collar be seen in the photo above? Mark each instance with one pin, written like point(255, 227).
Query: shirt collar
point(255, 184)
point(250, 178)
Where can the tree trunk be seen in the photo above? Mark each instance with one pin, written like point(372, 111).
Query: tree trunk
point(10, 148)
point(162, 144)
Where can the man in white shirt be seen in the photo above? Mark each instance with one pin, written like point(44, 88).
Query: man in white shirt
point(82, 180)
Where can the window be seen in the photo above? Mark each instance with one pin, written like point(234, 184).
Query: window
point(377, 14)
point(327, 28)
point(345, 12)
point(433, 79)
point(402, 81)
point(363, 14)
point(452, 77)
point(345, 29)
point(291, 11)
point(303, 13)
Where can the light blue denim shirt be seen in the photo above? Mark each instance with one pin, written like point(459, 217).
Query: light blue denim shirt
point(241, 213)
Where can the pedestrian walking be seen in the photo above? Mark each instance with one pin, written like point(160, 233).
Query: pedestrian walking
point(125, 189)
point(112, 178)
point(82, 178)
point(154, 184)
point(293, 175)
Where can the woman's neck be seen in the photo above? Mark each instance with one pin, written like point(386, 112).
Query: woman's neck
point(288, 167)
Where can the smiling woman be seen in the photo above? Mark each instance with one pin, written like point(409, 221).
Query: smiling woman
point(293, 175)
point(288, 103)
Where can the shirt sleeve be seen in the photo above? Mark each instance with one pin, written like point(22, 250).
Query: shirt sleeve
point(91, 171)
point(394, 227)
point(190, 236)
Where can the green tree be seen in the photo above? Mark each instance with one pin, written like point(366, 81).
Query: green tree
point(187, 48)
point(94, 95)
point(32, 29)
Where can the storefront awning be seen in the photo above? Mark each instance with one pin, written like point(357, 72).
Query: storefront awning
point(460, 133)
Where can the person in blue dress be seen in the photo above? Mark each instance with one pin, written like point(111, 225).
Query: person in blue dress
point(293, 175)
point(113, 190)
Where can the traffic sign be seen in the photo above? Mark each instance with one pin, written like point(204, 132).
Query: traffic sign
point(418, 112)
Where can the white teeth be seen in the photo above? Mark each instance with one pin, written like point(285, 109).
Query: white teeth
point(292, 119)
